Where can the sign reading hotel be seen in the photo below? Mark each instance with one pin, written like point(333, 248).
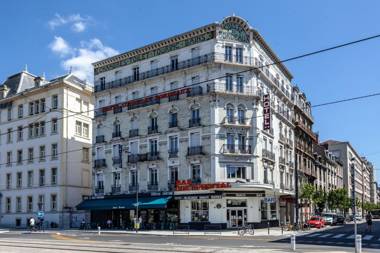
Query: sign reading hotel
point(188, 185)
point(266, 106)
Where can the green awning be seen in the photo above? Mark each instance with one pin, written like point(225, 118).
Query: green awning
point(123, 203)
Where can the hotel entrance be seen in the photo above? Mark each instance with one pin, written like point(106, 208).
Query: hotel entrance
point(236, 213)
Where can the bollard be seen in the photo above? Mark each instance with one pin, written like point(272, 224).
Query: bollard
point(358, 244)
point(293, 242)
point(98, 230)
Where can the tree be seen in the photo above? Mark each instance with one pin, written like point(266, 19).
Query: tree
point(307, 192)
point(320, 199)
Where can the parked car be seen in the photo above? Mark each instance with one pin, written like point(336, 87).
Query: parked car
point(340, 219)
point(358, 217)
point(316, 221)
point(330, 218)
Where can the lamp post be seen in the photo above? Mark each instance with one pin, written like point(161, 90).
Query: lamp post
point(353, 202)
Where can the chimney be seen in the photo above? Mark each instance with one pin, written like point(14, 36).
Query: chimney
point(38, 81)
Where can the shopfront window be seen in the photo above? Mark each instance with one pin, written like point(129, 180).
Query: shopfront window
point(273, 211)
point(199, 210)
point(235, 172)
point(264, 214)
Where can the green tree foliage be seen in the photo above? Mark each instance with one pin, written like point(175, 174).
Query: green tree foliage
point(307, 192)
point(319, 198)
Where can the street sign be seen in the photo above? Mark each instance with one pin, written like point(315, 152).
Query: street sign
point(269, 200)
point(40, 214)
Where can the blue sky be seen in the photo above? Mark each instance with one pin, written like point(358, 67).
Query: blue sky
point(52, 36)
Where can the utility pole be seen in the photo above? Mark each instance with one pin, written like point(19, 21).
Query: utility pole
point(353, 203)
point(296, 187)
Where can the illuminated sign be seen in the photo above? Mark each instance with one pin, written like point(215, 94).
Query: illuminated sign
point(188, 185)
point(266, 106)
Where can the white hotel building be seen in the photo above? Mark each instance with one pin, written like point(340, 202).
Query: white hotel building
point(39, 169)
point(176, 110)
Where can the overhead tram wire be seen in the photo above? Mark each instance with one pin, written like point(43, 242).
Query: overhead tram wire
point(239, 72)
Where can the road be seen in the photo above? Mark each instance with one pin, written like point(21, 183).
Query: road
point(335, 239)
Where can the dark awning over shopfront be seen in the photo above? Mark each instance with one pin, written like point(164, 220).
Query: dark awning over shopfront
point(123, 203)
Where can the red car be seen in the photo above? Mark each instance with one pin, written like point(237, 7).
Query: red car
point(316, 221)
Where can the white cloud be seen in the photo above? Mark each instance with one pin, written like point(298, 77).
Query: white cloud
point(79, 60)
point(76, 21)
point(60, 46)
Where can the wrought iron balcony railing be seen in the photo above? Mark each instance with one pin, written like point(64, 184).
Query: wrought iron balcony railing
point(196, 150)
point(99, 139)
point(195, 122)
point(99, 163)
point(133, 133)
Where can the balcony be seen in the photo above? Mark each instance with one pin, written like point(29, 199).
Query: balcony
point(153, 129)
point(116, 134)
point(152, 187)
point(133, 187)
point(99, 163)
point(115, 189)
point(282, 160)
point(99, 139)
point(153, 156)
point(116, 160)
point(154, 72)
point(220, 88)
point(195, 91)
point(117, 109)
point(133, 133)
point(236, 149)
point(173, 153)
point(268, 155)
point(196, 150)
point(173, 123)
point(99, 190)
point(195, 122)
point(133, 158)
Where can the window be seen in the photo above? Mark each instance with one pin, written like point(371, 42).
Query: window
point(199, 210)
point(78, 128)
point(153, 146)
point(117, 99)
point(228, 53)
point(8, 207)
point(135, 94)
point(136, 73)
point(19, 156)
point(86, 130)
point(174, 62)
point(54, 151)
point(41, 202)
point(30, 131)
point(9, 135)
point(29, 204)
point(116, 178)
point(195, 114)
point(86, 107)
point(195, 52)
point(236, 172)
point(36, 107)
point(9, 181)
point(18, 204)
point(241, 115)
point(239, 84)
point(195, 80)
point(19, 180)
point(30, 155)
point(230, 114)
point(196, 173)
point(9, 110)
point(273, 211)
point(30, 178)
point(239, 55)
point(31, 108)
point(20, 111)
point(41, 180)
point(42, 128)
point(229, 82)
point(173, 174)
point(54, 102)
point(264, 210)
point(153, 123)
point(153, 178)
point(153, 90)
point(9, 158)
point(53, 202)
point(86, 155)
point(102, 81)
point(173, 144)
point(195, 139)
point(42, 152)
point(133, 177)
point(20, 133)
point(54, 126)
point(53, 176)
point(99, 181)
point(43, 105)
point(36, 129)
point(173, 120)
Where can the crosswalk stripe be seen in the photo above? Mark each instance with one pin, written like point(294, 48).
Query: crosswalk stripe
point(351, 237)
point(325, 235)
point(314, 235)
point(367, 237)
point(339, 236)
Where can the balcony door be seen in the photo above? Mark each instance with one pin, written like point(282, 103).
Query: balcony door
point(195, 139)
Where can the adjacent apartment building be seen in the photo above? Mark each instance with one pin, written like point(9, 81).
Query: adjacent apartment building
point(45, 152)
point(200, 126)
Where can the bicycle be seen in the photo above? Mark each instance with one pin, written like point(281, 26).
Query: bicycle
point(246, 230)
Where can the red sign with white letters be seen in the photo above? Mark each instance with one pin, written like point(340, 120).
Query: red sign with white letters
point(187, 185)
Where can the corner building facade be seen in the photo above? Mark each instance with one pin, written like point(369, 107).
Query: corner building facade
point(177, 124)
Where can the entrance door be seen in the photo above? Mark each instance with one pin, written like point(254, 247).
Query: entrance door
point(236, 217)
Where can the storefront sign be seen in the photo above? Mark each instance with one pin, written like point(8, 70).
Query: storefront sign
point(195, 197)
point(266, 106)
point(244, 194)
point(188, 185)
point(269, 200)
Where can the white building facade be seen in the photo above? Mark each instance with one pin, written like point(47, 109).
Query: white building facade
point(45, 149)
point(183, 118)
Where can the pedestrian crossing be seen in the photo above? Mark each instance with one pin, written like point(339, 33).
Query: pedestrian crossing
point(342, 236)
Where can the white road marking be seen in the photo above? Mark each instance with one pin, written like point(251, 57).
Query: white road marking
point(351, 237)
point(368, 237)
point(325, 235)
point(314, 235)
point(339, 236)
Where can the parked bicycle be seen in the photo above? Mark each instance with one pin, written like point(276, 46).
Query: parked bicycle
point(246, 230)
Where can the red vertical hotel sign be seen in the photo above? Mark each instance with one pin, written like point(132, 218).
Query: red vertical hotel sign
point(266, 106)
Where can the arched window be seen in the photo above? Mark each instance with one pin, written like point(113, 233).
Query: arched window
point(230, 113)
point(173, 117)
point(116, 129)
point(195, 116)
point(241, 114)
point(153, 126)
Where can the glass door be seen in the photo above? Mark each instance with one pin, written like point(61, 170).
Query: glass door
point(236, 217)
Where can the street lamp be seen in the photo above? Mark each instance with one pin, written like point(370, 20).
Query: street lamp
point(353, 199)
